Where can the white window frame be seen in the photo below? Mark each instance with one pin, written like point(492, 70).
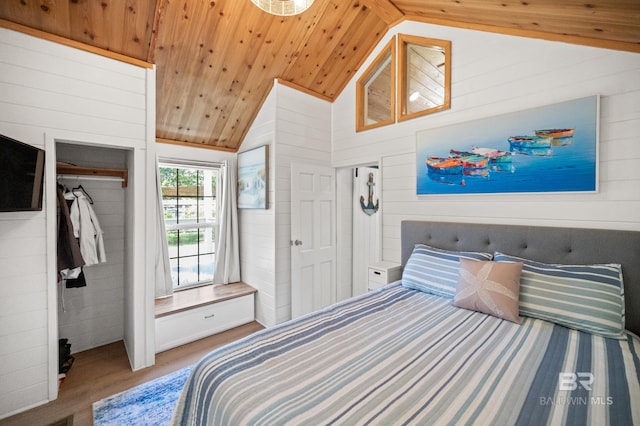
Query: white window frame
point(170, 227)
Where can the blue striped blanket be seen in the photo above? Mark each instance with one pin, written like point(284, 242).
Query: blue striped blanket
point(400, 356)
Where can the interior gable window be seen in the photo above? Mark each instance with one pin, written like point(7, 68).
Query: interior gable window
point(189, 197)
point(424, 65)
point(375, 91)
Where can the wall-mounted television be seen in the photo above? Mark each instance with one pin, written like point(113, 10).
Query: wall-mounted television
point(21, 176)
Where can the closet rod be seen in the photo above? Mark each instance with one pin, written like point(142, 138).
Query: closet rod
point(85, 177)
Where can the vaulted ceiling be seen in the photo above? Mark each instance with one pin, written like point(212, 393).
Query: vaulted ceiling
point(216, 60)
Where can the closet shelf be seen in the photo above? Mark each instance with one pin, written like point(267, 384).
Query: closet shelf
point(72, 170)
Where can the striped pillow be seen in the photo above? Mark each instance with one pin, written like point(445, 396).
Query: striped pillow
point(436, 271)
point(588, 298)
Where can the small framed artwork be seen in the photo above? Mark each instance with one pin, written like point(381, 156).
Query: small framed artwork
point(253, 178)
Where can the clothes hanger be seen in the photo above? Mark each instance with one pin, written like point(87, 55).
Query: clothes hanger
point(84, 192)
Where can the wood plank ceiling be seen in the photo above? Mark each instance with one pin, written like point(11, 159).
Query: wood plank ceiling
point(216, 60)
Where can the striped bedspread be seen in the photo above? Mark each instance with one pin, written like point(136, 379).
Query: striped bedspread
point(399, 356)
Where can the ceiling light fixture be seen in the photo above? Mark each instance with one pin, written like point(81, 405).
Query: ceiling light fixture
point(283, 7)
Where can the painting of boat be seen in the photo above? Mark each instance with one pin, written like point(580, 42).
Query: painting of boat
point(552, 148)
point(555, 133)
point(559, 137)
point(470, 161)
point(530, 145)
point(444, 165)
point(529, 141)
point(495, 156)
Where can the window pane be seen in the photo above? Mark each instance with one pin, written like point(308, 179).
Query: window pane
point(187, 270)
point(172, 242)
point(206, 267)
point(187, 210)
point(170, 209)
point(189, 242)
point(189, 200)
point(174, 272)
point(207, 240)
point(187, 182)
point(207, 209)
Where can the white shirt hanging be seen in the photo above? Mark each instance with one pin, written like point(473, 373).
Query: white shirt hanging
point(87, 228)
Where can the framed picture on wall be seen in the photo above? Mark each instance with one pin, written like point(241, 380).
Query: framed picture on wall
point(553, 148)
point(253, 178)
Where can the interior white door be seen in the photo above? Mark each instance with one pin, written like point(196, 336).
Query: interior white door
point(313, 263)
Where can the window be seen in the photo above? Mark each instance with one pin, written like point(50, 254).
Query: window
point(189, 197)
point(425, 76)
point(375, 91)
point(424, 82)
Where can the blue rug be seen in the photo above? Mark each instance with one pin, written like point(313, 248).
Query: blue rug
point(150, 403)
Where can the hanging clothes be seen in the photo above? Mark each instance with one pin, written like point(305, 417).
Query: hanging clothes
point(70, 259)
point(87, 229)
point(69, 255)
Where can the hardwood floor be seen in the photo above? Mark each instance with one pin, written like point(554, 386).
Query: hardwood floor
point(104, 371)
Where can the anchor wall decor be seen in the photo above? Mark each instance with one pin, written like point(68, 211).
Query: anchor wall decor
point(369, 208)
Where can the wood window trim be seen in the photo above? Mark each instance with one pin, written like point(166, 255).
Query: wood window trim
point(403, 41)
point(360, 88)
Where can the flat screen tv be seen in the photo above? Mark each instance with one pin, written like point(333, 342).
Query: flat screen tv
point(21, 176)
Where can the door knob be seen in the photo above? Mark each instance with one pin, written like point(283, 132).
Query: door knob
point(298, 242)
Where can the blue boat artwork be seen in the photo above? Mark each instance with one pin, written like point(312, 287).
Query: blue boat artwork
point(546, 149)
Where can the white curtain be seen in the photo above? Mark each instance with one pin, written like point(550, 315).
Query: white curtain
point(164, 285)
point(227, 266)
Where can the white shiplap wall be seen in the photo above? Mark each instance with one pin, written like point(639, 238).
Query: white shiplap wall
point(297, 129)
point(257, 227)
point(49, 90)
point(303, 136)
point(494, 74)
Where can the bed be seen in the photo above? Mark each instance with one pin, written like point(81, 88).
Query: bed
point(413, 353)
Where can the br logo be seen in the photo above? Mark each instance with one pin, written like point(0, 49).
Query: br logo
point(571, 381)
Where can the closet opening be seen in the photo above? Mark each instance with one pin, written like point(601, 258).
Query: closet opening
point(92, 289)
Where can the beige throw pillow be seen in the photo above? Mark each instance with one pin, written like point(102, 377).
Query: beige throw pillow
point(490, 287)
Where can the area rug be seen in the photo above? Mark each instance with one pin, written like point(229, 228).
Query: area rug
point(150, 403)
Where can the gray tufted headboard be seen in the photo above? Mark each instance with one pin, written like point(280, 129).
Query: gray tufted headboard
point(544, 244)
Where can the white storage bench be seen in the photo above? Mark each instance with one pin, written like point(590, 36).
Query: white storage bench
point(192, 314)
